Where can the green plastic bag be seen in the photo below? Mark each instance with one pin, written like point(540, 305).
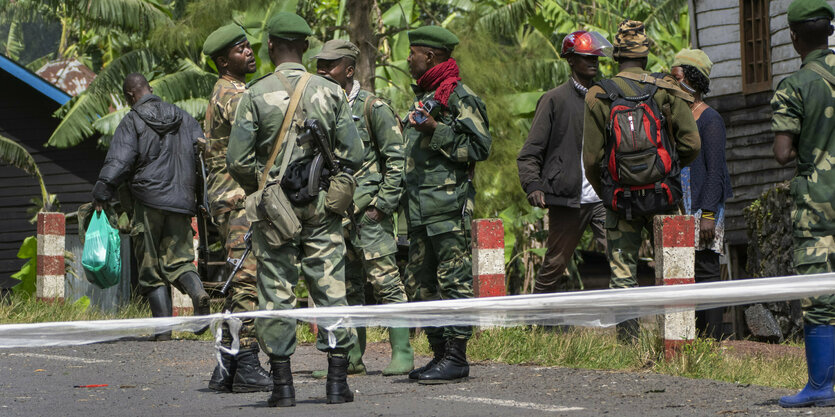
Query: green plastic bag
point(101, 257)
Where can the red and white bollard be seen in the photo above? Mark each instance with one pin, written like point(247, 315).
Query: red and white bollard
point(488, 258)
point(51, 240)
point(181, 302)
point(675, 254)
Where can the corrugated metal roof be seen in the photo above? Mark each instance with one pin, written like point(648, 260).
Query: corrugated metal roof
point(69, 75)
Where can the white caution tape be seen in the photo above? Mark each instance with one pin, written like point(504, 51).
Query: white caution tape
point(601, 308)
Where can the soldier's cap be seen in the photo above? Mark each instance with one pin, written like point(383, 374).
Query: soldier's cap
point(288, 26)
point(222, 37)
point(433, 36)
point(807, 10)
point(336, 49)
point(631, 41)
point(695, 58)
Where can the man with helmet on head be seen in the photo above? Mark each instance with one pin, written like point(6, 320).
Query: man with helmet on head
point(550, 162)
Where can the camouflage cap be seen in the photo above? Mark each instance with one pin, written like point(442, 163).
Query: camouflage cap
point(695, 58)
point(631, 41)
point(336, 49)
point(806, 10)
point(287, 25)
point(433, 36)
point(223, 37)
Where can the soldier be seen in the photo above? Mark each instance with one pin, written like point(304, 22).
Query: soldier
point(315, 241)
point(623, 235)
point(161, 175)
point(371, 244)
point(804, 129)
point(447, 133)
point(230, 50)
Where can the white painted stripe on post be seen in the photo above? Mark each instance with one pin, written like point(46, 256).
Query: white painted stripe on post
point(51, 245)
point(488, 261)
point(57, 357)
point(180, 300)
point(507, 403)
point(680, 326)
point(679, 262)
point(49, 286)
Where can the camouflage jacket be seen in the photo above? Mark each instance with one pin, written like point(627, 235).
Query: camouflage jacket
point(379, 182)
point(224, 193)
point(685, 133)
point(261, 112)
point(437, 180)
point(802, 106)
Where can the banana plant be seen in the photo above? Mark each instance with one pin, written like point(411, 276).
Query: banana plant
point(12, 153)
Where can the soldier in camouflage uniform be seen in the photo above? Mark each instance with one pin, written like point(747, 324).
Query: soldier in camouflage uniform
point(440, 155)
point(804, 127)
point(623, 237)
point(371, 244)
point(230, 50)
point(319, 248)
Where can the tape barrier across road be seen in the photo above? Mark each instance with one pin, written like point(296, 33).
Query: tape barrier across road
point(601, 308)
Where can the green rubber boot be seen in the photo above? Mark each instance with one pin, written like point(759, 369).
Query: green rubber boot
point(402, 355)
point(355, 365)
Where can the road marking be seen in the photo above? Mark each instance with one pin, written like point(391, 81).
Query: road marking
point(507, 403)
point(58, 357)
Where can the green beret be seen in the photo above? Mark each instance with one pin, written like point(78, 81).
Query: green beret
point(336, 49)
point(695, 58)
point(223, 37)
point(433, 36)
point(287, 25)
point(805, 10)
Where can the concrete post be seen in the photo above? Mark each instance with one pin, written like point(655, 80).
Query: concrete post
point(51, 241)
point(675, 253)
point(488, 258)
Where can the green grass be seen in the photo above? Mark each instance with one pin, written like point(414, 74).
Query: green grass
point(587, 348)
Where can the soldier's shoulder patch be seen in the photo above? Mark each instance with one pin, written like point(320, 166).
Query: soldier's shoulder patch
point(255, 81)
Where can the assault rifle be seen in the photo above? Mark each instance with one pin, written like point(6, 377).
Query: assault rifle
point(238, 263)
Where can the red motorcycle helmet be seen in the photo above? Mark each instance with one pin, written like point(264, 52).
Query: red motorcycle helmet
point(582, 42)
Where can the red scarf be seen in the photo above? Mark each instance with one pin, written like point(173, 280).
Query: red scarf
point(443, 78)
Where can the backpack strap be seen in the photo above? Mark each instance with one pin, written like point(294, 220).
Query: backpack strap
point(611, 90)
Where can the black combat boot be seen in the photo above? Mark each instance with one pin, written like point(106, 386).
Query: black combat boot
point(160, 301)
point(284, 395)
point(336, 387)
point(452, 368)
point(438, 349)
point(190, 282)
point(222, 376)
point(628, 331)
point(249, 375)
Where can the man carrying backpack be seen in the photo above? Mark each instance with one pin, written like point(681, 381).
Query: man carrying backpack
point(638, 133)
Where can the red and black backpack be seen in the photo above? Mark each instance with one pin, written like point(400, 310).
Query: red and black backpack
point(641, 172)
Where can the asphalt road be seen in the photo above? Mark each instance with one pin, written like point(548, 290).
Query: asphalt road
point(170, 378)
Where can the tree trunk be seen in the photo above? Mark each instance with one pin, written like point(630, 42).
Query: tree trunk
point(362, 34)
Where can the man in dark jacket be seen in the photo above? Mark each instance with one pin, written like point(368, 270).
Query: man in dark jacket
point(550, 162)
point(153, 149)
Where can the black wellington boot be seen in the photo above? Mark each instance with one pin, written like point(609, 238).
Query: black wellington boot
point(452, 368)
point(438, 349)
point(284, 395)
point(249, 375)
point(190, 282)
point(336, 387)
point(222, 376)
point(160, 301)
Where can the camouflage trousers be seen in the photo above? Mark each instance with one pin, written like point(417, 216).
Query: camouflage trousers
point(242, 296)
point(816, 255)
point(163, 243)
point(440, 268)
point(320, 251)
point(370, 258)
point(623, 240)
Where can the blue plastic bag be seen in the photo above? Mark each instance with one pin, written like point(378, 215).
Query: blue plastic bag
point(101, 257)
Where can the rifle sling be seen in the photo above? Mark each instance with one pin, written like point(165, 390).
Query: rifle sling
point(285, 128)
point(666, 85)
point(818, 69)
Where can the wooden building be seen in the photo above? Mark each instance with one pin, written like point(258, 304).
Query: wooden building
point(749, 44)
point(26, 107)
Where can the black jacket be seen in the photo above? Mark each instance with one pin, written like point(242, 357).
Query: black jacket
point(154, 149)
point(550, 158)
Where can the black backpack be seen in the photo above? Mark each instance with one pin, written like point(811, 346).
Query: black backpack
point(640, 168)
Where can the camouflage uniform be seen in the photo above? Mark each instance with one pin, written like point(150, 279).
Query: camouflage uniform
point(438, 202)
point(163, 247)
point(623, 236)
point(320, 249)
point(226, 202)
point(802, 106)
point(371, 246)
